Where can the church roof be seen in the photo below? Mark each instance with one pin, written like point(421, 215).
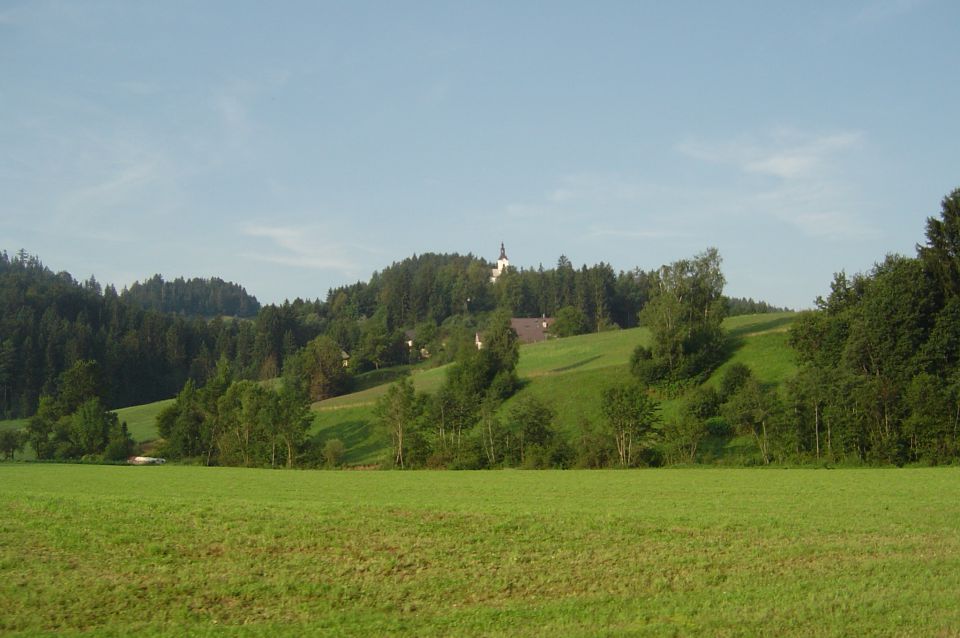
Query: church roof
point(503, 253)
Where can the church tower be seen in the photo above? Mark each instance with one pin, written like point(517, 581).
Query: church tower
point(502, 263)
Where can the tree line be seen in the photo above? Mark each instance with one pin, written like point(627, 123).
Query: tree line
point(879, 371)
point(148, 340)
point(880, 357)
point(195, 297)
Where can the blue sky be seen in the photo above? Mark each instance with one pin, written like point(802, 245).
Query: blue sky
point(293, 147)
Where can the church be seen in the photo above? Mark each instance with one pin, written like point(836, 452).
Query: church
point(502, 264)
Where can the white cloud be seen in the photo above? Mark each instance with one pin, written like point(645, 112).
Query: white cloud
point(598, 187)
point(824, 210)
point(786, 155)
point(234, 104)
point(634, 234)
point(809, 192)
point(302, 247)
point(517, 209)
point(115, 190)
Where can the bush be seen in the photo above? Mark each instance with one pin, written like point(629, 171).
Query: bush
point(643, 366)
point(718, 426)
point(333, 452)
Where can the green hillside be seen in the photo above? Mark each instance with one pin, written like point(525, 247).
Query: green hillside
point(142, 419)
point(568, 374)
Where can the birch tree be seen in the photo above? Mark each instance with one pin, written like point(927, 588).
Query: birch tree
point(631, 415)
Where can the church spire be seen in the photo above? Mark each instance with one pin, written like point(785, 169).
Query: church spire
point(503, 253)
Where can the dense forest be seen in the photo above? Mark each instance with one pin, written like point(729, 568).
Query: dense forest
point(881, 357)
point(192, 297)
point(49, 322)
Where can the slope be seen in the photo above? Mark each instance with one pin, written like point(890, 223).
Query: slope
point(568, 374)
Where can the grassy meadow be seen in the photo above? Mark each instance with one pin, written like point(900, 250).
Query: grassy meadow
point(175, 550)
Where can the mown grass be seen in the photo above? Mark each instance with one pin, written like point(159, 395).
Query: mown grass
point(88, 550)
point(142, 419)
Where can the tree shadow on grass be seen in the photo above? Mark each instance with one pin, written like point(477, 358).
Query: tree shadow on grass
point(355, 435)
point(577, 364)
point(735, 339)
point(764, 326)
point(374, 378)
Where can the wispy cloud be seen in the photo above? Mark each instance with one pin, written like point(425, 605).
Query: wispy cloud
point(587, 194)
point(110, 201)
point(112, 191)
point(234, 104)
point(786, 154)
point(610, 206)
point(825, 210)
point(626, 233)
point(808, 190)
point(302, 247)
point(599, 187)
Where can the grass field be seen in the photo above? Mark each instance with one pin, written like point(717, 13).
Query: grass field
point(142, 419)
point(94, 550)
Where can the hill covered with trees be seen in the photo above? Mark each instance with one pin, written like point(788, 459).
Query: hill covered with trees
point(193, 297)
point(155, 339)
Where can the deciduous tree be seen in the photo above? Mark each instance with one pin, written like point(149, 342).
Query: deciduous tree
point(631, 415)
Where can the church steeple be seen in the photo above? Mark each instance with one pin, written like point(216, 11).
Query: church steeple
point(502, 264)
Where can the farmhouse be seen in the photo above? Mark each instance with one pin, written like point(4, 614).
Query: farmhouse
point(528, 329)
point(532, 330)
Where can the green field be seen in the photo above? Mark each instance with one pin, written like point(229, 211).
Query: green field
point(142, 419)
point(173, 550)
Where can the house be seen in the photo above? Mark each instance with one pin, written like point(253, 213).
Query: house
point(529, 330)
point(532, 330)
point(502, 264)
point(345, 358)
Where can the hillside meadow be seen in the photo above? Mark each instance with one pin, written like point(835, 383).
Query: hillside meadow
point(568, 374)
point(175, 550)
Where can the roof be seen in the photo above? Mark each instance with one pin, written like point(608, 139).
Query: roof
point(503, 252)
point(532, 329)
